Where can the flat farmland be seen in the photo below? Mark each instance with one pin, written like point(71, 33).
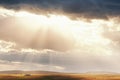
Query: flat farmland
point(59, 77)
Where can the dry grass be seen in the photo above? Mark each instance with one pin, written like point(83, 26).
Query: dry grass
point(59, 77)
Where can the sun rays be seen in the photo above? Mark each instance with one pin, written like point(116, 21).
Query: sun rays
point(38, 27)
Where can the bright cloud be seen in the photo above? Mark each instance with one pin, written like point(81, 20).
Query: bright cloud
point(55, 42)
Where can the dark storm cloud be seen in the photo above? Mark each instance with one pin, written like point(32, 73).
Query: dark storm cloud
point(72, 8)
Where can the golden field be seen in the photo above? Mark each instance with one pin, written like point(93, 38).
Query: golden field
point(60, 77)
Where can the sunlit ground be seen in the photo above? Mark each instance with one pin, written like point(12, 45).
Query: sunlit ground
point(60, 77)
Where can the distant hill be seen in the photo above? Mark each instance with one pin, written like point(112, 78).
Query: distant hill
point(27, 72)
point(51, 72)
point(101, 72)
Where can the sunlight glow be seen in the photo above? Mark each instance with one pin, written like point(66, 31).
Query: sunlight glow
point(35, 21)
point(83, 32)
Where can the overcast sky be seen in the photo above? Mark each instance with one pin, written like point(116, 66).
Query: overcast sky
point(60, 35)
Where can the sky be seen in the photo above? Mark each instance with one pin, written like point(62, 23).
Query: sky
point(60, 35)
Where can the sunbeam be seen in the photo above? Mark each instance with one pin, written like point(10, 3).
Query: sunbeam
point(57, 42)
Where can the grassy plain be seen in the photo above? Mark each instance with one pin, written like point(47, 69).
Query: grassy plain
point(60, 77)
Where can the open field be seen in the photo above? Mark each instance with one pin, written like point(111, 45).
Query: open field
point(59, 77)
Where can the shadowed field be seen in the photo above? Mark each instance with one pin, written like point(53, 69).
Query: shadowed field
point(59, 77)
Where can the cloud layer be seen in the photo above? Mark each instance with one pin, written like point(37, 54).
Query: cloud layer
point(72, 8)
point(71, 61)
point(84, 46)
